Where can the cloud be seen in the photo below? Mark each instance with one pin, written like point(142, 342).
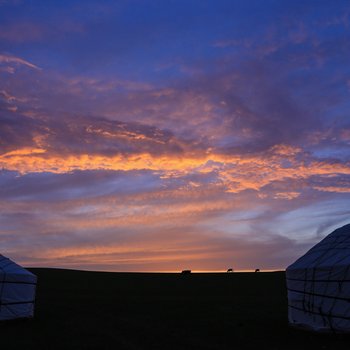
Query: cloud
point(191, 250)
point(333, 189)
point(44, 144)
point(141, 220)
point(13, 60)
point(146, 229)
point(142, 228)
point(21, 32)
point(86, 137)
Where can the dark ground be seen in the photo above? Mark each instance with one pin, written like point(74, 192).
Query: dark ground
point(97, 310)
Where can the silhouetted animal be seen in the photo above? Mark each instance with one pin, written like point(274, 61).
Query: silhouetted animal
point(257, 270)
point(185, 272)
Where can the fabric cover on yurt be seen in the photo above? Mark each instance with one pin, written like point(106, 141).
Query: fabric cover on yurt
point(319, 285)
point(17, 291)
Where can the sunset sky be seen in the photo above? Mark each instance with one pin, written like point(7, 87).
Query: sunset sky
point(163, 135)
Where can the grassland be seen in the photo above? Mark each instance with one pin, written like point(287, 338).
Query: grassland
point(97, 310)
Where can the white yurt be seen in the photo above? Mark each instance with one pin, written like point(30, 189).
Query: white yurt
point(17, 291)
point(319, 285)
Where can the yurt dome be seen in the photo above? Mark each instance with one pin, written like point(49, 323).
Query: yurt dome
point(319, 285)
point(17, 291)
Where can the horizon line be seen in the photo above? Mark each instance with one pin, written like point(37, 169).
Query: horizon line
point(163, 271)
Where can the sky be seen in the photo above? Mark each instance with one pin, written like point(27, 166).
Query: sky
point(167, 135)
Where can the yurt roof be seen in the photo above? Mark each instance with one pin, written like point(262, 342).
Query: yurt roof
point(333, 250)
point(10, 271)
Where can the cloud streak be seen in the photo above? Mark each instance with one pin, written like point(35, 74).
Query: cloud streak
point(13, 60)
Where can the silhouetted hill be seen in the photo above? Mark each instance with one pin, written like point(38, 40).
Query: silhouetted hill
point(101, 310)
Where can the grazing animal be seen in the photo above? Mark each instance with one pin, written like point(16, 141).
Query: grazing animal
point(257, 270)
point(185, 272)
point(230, 270)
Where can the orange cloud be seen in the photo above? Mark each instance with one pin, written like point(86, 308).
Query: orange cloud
point(287, 195)
point(236, 173)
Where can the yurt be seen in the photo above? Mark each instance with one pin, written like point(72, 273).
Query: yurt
point(17, 291)
point(319, 285)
